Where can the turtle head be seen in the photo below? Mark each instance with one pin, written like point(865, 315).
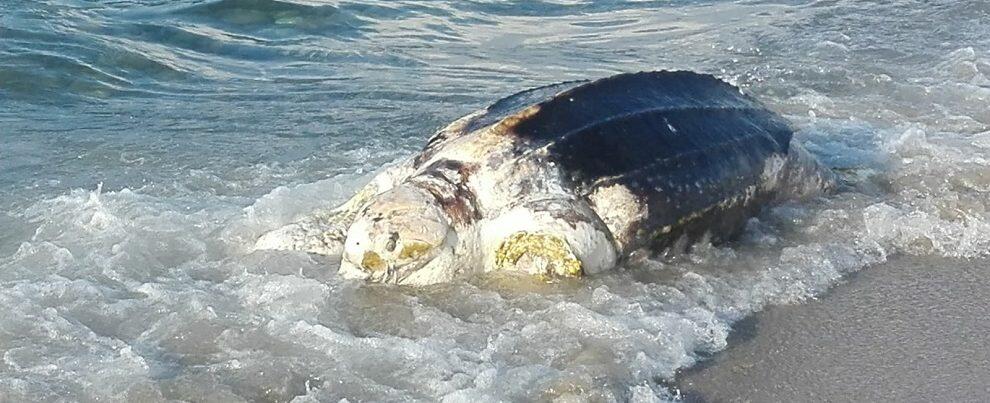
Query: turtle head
point(403, 236)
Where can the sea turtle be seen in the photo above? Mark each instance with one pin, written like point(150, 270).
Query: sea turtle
point(567, 180)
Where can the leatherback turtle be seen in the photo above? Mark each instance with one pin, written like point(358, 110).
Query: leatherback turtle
point(567, 180)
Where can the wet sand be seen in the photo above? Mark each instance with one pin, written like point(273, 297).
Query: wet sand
point(910, 330)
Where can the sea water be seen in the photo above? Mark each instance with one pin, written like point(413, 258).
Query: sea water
point(145, 144)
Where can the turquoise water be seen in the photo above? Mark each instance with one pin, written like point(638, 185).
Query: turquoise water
point(146, 144)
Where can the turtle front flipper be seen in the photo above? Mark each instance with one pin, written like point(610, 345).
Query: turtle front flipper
point(324, 232)
point(321, 233)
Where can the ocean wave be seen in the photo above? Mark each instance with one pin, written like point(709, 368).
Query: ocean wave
point(270, 17)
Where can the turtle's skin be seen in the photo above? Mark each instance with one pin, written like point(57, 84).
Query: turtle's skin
point(567, 179)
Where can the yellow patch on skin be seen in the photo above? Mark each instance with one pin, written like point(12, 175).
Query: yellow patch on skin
point(413, 250)
point(372, 262)
point(554, 250)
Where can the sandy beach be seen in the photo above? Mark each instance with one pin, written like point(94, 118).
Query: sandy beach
point(910, 330)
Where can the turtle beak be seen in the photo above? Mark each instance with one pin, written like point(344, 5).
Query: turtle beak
point(349, 270)
point(372, 266)
point(368, 265)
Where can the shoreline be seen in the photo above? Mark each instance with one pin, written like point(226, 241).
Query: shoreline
point(911, 329)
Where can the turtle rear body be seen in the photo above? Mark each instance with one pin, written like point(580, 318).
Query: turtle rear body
point(661, 155)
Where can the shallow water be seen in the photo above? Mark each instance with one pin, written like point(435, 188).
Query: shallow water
point(147, 143)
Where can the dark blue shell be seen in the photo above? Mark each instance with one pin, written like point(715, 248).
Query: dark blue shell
point(684, 143)
point(515, 103)
point(495, 113)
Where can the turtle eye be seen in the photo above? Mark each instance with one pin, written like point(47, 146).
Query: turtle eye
point(390, 246)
